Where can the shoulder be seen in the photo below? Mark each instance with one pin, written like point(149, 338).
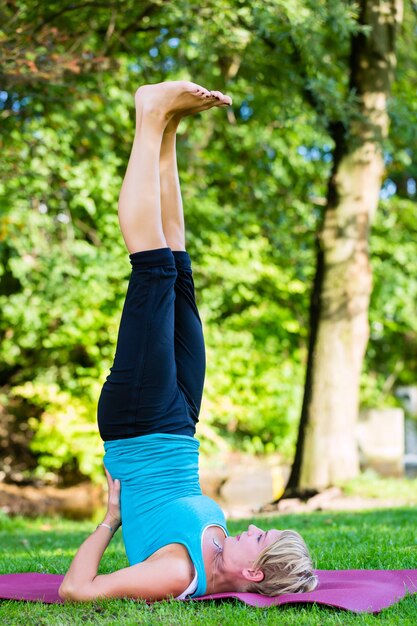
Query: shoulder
point(175, 556)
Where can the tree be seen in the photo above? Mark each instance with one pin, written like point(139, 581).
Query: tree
point(326, 448)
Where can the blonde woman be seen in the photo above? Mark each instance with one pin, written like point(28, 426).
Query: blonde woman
point(176, 539)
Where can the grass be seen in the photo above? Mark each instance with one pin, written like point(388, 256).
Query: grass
point(384, 539)
point(369, 485)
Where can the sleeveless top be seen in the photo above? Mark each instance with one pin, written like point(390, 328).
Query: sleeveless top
point(161, 498)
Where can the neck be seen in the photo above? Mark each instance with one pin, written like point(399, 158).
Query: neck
point(219, 579)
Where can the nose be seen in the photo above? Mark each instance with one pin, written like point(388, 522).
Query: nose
point(252, 529)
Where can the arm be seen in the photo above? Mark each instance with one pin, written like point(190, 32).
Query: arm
point(154, 579)
point(85, 564)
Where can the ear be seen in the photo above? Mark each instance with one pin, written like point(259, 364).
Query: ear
point(253, 575)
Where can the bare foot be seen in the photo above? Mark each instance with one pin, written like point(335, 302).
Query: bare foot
point(220, 100)
point(172, 100)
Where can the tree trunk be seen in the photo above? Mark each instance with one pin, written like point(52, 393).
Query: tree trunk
point(326, 448)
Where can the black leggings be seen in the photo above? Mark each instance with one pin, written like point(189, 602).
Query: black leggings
point(156, 382)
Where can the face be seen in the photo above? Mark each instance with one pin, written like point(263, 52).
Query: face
point(240, 552)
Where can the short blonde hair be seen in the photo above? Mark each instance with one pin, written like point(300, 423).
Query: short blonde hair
point(287, 567)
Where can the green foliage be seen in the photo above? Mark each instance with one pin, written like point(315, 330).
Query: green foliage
point(65, 432)
point(391, 358)
point(61, 287)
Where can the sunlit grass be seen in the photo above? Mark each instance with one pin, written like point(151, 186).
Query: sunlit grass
point(370, 485)
point(385, 539)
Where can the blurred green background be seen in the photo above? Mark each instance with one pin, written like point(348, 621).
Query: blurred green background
point(253, 179)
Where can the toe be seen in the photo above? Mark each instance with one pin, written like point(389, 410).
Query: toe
point(200, 91)
point(226, 100)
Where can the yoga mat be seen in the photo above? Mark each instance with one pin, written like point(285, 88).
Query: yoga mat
point(366, 591)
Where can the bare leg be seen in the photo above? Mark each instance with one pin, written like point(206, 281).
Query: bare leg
point(171, 200)
point(139, 199)
point(140, 214)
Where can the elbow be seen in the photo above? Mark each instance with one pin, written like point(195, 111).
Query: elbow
point(64, 591)
point(68, 592)
point(75, 594)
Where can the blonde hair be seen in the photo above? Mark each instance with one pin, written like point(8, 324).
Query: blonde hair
point(287, 567)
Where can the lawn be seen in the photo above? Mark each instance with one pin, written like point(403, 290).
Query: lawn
point(385, 539)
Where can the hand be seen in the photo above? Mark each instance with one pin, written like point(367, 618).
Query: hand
point(113, 516)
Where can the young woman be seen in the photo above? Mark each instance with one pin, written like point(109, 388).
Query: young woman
point(176, 539)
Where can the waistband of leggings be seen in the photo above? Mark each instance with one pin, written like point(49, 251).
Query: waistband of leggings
point(161, 256)
point(182, 259)
point(152, 258)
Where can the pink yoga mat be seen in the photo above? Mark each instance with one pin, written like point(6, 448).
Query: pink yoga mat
point(366, 591)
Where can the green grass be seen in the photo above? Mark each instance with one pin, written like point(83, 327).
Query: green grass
point(369, 485)
point(384, 539)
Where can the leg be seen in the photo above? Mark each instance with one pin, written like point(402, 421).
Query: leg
point(171, 200)
point(139, 199)
point(140, 196)
point(142, 395)
point(189, 340)
point(190, 354)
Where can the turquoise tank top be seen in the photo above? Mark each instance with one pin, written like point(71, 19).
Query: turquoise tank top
point(161, 498)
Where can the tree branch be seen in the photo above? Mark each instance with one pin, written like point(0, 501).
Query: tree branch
point(75, 7)
point(313, 99)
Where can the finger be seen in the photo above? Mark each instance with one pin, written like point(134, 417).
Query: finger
point(116, 489)
point(108, 475)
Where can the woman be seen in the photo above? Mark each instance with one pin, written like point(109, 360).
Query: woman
point(176, 539)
